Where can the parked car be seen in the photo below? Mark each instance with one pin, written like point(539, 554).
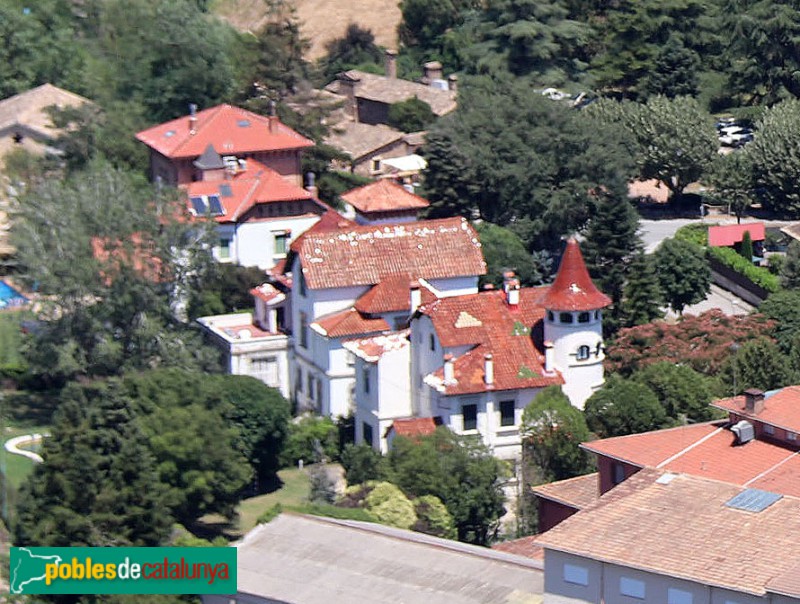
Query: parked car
point(735, 136)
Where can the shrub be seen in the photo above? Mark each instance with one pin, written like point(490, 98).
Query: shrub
point(397, 512)
point(693, 233)
point(382, 492)
point(433, 517)
point(760, 276)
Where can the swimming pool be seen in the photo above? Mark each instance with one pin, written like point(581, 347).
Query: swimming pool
point(9, 297)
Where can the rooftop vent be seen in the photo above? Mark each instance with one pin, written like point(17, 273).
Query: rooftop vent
point(744, 432)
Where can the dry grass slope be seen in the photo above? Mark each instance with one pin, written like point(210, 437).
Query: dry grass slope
point(322, 20)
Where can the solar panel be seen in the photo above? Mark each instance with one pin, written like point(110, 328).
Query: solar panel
point(198, 205)
point(225, 190)
point(215, 205)
point(753, 500)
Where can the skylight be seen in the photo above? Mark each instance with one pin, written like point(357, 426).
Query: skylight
point(753, 500)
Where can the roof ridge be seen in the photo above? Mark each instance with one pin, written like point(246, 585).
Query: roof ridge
point(690, 447)
point(213, 113)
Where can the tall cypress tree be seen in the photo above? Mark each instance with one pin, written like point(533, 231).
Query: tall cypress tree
point(642, 295)
point(612, 241)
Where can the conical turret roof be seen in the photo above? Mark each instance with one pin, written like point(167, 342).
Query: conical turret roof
point(573, 289)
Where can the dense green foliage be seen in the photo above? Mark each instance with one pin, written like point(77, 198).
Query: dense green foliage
point(460, 472)
point(355, 50)
point(503, 250)
point(553, 430)
point(790, 271)
point(412, 115)
point(758, 364)
point(623, 407)
point(310, 439)
point(682, 392)
point(760, 276)
point(225, 289)
point(642, 295)
point(362, 463)
point(683, 273)
point(784, 309)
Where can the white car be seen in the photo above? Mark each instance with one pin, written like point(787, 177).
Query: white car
point(734, 136)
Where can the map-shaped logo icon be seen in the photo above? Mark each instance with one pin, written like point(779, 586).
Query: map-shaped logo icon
point(29, 568)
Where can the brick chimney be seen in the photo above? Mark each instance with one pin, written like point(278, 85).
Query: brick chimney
point(390, 61)
point(433, 71)
point(273, 117)
point(192, 118)
point(754, 401)
point(449, 369)
point(488, 369)
point(452, 82)
point(511, 288)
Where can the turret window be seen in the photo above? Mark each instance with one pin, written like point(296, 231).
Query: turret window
point(583, 317)
point(550, 316)
point(565, 317)
point(583, 353)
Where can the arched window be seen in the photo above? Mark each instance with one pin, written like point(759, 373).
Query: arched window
point(597, 314)
point(584, 317)
point(550, 316)
point(565, 317)
point(583, 353)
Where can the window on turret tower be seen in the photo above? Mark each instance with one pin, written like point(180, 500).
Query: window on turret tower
point(565, 317)
point(583, 353)
point(584, 317)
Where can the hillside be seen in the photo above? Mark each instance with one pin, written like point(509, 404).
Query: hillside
point(322, 20)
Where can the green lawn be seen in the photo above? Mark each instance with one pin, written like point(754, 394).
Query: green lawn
point(294, 491)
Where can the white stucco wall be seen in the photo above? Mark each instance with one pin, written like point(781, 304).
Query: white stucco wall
point(254, 243)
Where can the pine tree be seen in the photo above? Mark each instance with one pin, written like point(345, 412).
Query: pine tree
point(790, 274)
point(611, 243)
point(642, 297)
point(746, 250)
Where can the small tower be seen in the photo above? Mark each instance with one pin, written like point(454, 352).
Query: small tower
point(573, 326)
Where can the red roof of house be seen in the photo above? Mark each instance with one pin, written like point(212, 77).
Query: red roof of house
point(577, 492)
point(573, 289)
point(781, 408)
point(137, 253)
point(331, 220)
point(232, 131)
point(267, 293)
point(392, 295)
point(487, 322)
point(709, 451)
point(413, 426)
point(349, 322)
point(729, 234)
point(368, 254)
point(383, 195)
point(254, 186)
point(524, 546)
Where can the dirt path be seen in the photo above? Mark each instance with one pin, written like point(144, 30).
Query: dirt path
point(322, 20)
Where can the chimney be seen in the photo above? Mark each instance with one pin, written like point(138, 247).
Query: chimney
point(449, 369)
point(273, 117)
point(488, 369)
point(754, 401)
point(549, 357)
point(347, 87)
point(416, 296)
point(452, 82)
point(433, 71)
point(508, 276)
point(311, 187)
point(192, 118)
point(391, 63)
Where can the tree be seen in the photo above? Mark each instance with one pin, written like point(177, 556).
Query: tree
point(675, 70)
point(552, 432)
point(758, 364)
point(703, 342)
point(98, 485)
point(355, 49)
point(775, 159)
point(674, 140)
point(746, 250)
point(481, 163)
point(623, 407)
point(113, 261)
point(179, 413)
point(612, 242)
point(411, 115)
point(426, 22)
point(310, 439)
point(683, 273)
point(790, 272)
point(731, 180)
point(362, 463)
point(642, 294)
point(504, 250)
point(461, 472)
point(682, 392)
point(226, 288)
point(783, 308)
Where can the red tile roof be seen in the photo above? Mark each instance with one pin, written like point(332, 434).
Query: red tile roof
point(679, 526)
point(366, 255)
point(348, 322)
point(578, 492)
point(371, 349)
point(383, 196)
point(573, 289)
point(729, 234)
point(524, 546)
point(267, 293)
point(485, 320)
point(232, 131)
point(254, 186)
point(413, 427)
point(787, 583)
point(138, 254)
point(781, 408)
point(392, 295)
point(331, 220)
